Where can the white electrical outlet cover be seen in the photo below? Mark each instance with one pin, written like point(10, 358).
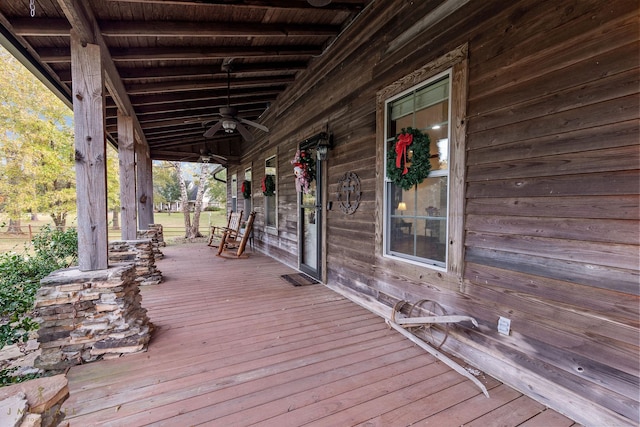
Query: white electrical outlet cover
point(504, 325)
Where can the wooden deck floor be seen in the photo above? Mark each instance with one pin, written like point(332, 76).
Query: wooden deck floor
point(236, 345)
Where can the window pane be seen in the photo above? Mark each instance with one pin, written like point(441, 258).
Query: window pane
point(432, 211)
point(270, 201)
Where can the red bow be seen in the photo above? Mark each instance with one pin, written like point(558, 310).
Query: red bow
point(404, 140)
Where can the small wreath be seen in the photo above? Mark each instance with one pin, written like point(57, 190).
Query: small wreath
point(304, 169)
point(246, 189)
point(408, 163)
point(268, 185)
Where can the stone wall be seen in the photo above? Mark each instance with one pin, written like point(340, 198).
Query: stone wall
point(156, 234)
point(88, 315)
point(139, 252)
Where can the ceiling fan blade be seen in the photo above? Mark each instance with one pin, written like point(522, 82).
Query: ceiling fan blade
point(213, 129)
point(244, 132)
point(220, 159)
point(254, 124)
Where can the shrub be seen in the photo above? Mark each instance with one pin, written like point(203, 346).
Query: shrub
point(20, 275)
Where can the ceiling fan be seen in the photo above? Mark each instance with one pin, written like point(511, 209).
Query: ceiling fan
point(207, 157)
point(229, 120)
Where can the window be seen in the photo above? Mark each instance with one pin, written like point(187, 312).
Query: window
point(417, 218)
point(424, 225)
point(247, 177)
point(270, 200)
point(234, 192)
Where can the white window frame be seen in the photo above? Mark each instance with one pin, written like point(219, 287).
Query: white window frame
point(457, 61)
point(436, 265)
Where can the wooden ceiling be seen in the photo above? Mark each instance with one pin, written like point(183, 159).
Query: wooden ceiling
point(166, 56)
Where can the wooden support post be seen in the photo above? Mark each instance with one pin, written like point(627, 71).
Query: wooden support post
point(126, 156)
point(144, 187)
point(90, 154)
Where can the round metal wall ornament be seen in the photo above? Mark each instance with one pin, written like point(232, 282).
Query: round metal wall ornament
point(349, 192)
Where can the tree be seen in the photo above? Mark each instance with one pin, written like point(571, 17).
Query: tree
point(166, 185)
point(36, 147)
point(192, 228)
point(113, 185)
point(218, 190)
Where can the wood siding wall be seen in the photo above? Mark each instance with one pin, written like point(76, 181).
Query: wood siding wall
point(552, 186)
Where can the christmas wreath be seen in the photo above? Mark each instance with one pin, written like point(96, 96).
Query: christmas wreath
point(246, 189)
point(268, 185)
point(408, 163)
point(304, 168)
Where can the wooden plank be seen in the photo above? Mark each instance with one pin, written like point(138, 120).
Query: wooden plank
point(548, 418)
point(590, 116)
point(428, 405)
point(513, 413)
point(586, 162)
point(90, 154)
point(257, 400)
point(598, 303)
point(583, 251)
point(609, 278)
point(589, 30)
point(468, 410)
point(457, 170)
point(596, 207)
point(617, 134)
point(144, 187)
point(598, 184)
point(126, 160)
point(531, 99)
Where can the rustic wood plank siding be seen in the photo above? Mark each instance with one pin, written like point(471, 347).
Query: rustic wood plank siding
point(551, 231)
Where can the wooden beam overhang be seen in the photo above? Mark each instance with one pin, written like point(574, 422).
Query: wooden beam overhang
point(350, 5)
point(53, 27)
point(160, 73)
point(198, 85)
point(54, 55)
point(163, 59)
point(79, 14)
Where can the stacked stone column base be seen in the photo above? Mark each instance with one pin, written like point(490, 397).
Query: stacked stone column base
point(139, 252)
point(88, 315)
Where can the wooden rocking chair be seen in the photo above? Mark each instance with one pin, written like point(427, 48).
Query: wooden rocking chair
point(226, 244)
point(233, 227)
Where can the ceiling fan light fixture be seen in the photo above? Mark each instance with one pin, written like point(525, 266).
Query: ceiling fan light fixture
point(229, 125)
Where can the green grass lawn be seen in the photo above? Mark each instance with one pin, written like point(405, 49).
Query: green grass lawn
point(173, 225)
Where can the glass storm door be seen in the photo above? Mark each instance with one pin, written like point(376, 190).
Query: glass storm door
point(310, 254)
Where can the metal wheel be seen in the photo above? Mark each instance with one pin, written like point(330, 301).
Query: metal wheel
point(434, 333)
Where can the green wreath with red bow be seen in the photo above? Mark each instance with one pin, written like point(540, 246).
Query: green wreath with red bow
point(268, 185)
point(245, 189)
point(408, 162)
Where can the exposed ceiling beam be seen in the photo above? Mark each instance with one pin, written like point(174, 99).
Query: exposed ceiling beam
point(352, 5)
point(81, 17)
point(190, 85)
point(146, 103)
point(63, 54)
point(53, 27)
point(163, 73)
